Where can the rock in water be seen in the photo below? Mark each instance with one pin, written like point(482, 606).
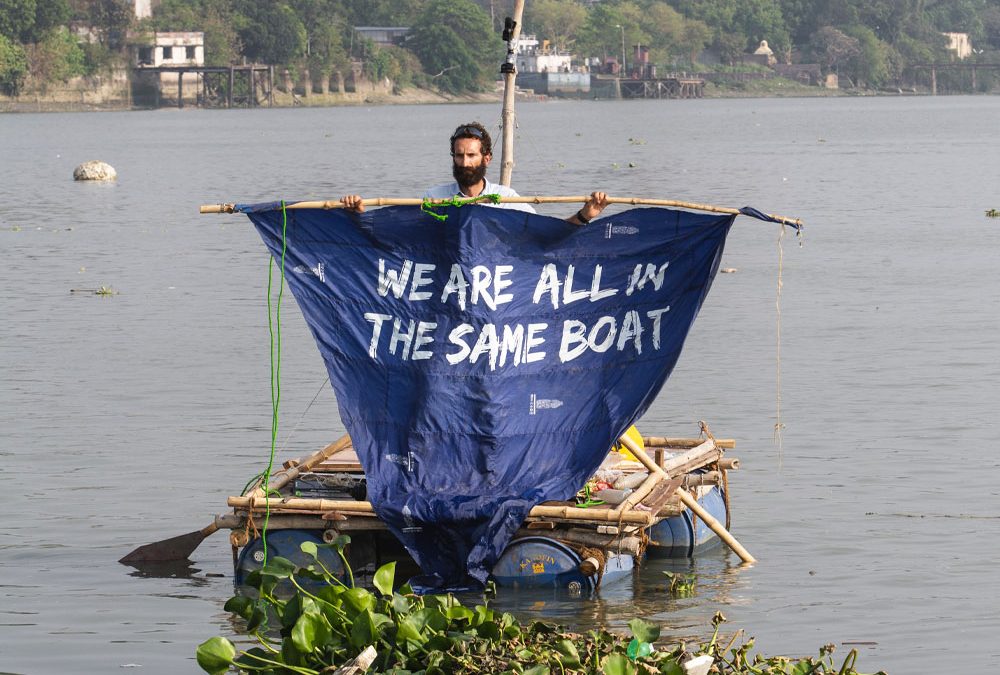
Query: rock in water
point(95, 170)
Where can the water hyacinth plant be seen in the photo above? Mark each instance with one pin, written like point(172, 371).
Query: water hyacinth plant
point(325, 621)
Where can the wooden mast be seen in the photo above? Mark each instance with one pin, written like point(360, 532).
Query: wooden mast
point(509, 70)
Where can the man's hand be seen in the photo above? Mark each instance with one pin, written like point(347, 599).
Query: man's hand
point(591, 209)
point(593, 206)
point(355, 203)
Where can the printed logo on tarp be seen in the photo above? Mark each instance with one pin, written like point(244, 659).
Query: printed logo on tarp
point(537, 404)
point(315, 271)
point(409, 522)
point(611, 229)
point(407, 460)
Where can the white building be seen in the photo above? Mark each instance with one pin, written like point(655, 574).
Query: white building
point(143, 8)
point(959, 45)
point(535, 57)
point(173, 49)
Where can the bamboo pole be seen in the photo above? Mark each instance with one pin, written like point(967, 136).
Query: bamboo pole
point(691, 503)
point(283, 478)
point(351, 506)
point(507, 112)
point(575, 199)
point(661, 442)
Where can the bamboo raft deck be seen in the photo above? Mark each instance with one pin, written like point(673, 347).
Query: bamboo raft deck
point(694, 466)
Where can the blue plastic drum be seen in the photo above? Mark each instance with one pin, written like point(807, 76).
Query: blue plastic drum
point(540, 562)
point(286, 544)
point(678, 537)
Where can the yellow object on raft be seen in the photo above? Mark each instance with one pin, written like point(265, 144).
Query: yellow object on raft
point(635, 436)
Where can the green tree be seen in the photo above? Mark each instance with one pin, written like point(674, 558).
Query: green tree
point(111, 19)
point(57, 57)
point(216, 18)
point(273, 32)
point(49, 15)
point(555, 20)
point(833, 48)
point(456, 45)
point(17, 18)
point(872, 65)
point(13, 66)
point(674, 35)
point(381, 12)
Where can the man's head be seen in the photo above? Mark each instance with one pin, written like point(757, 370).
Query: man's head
point(471, 152)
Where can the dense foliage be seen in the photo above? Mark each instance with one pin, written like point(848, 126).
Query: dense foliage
point(454, 44)
point(310, 621)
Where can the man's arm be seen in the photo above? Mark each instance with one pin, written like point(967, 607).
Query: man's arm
point(590, 209)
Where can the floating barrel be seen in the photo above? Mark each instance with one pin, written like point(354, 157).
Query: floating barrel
point(541, 562)
point(286, 544)
point(678, 537)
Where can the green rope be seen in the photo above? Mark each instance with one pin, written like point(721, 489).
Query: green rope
point(274, 331)
point(428, 205)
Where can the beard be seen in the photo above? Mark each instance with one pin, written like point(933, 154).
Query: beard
point(467, 176)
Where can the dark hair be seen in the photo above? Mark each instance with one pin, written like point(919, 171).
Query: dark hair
point(472, 130)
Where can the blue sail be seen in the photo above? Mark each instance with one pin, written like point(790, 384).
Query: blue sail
point(486, 363)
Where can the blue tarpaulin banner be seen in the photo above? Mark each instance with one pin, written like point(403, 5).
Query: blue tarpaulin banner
point(487, 363)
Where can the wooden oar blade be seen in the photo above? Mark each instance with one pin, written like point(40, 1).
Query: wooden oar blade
point(175, 548)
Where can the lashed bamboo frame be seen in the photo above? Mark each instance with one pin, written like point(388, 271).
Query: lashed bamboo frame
point(574, 199)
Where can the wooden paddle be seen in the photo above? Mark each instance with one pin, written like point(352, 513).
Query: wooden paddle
point(182, 546)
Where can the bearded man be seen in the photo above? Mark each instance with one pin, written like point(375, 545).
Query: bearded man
point(471, 154)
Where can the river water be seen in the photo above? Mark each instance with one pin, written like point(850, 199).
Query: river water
point(129, 418)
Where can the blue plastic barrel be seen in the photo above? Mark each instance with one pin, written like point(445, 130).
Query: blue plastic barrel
point(679, 537)
point(286, 544)
point(540, 562)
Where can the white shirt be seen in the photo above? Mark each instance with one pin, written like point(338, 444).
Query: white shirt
point(449, 190)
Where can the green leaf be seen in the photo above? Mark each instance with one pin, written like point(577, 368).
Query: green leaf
point(309, 548)
point(312, 630)
point(363, 632)
point(644, 631)
point(638, 649)
point(279, 567)
point(617, 664)
point(804, 668)
point(539, 669)
point(567, 650)
point(246, 660)
point(384, 578)
point(459, 613)
point(239, 605)
point(439, 643)
point(410, 629)
point(358, 599)
point(488, 630)
point(258, 618)
point(672, 668)
point(215, 655)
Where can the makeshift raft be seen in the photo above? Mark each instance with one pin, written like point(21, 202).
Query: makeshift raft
point(560, 545)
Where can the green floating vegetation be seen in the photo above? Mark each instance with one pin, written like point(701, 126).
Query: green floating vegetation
point(325, 622)
point(680, 585)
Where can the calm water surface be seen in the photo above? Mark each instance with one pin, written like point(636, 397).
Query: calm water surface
point(130, 418)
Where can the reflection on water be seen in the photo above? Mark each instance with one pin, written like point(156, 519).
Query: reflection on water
point(645, 593)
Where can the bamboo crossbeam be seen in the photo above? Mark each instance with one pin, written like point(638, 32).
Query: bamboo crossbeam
point(695, 458)
point(351, 506)
point(661, 442)
point(576, 199)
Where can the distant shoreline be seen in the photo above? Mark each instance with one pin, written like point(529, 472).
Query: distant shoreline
point(413, 96)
